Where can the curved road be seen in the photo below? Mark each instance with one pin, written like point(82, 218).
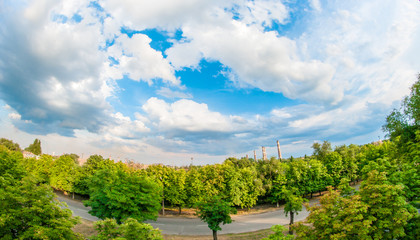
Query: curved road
point(194, 226)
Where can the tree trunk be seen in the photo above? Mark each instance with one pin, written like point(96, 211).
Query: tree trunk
point(278, 205)
point(179, 212)
point(292, 215)
point(163, 203)
point(311, 195)
point(73, 195)
point(214, 235)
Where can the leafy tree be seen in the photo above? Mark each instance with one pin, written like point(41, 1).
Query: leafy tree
point(241, 185)
point(379, 211)
point(40, 168)
point(93, 164)
point(405, 121)
point(194, 187)
point(28, 210)
point(348, 155)
point(160, 173)
point(131, 229)
point(321, 150)
point(175, 192)
point(114, 193)
point(293, 204)
point(317, 178)
point(267, 171)
point(336, 218)
point(35, 147)
point(64, 174)
point(389, 210)
point(215, 211)
point(74, 156)
point(278, 233)
point(334, 164)
point(9, 144)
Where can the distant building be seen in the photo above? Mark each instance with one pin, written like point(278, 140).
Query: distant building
point(27, 154)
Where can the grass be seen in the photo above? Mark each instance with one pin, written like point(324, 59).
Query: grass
point(86, 228)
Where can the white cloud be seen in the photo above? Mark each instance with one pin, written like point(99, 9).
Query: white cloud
point(139, 61)
point(262, 13)
point(258, 59)
point(142, 14)
point(169, 93)
point(14, 116)
point(185, 115)
point(124, 127)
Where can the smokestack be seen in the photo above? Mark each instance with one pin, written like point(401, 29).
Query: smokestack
point(264, 153)
point(255, 156)
point(278, 149)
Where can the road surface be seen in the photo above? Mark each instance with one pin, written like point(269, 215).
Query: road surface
point(194, 226)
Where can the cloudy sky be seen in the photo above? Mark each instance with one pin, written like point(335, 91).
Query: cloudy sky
point(164, 81)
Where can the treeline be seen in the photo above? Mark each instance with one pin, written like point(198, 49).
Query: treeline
point(242, 182)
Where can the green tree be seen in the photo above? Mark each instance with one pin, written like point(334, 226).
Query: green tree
point(64, 174)
point(9, 144)
point(194, 187)
point(278, 233)
point(35, 147)
point(321, 150)
point(334, 164)
point(387, 206)
point(29, 210)
point(215, 211)
point(336, 217)
point(404, 122)
point(378, 211)
point(114, 193)
point(93, 164)
point(175, 192)
point(130, 229)
point(293, 204)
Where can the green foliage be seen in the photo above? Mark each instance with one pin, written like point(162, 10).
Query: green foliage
point(320, 151)
point(336, 218)
point(9, 144)
point(278, 234)
point(40, 168)
point(388, 208)
point(28, 210)
point(64, 173)
point(293, 202)
point(131, 229)
point(215, 211)
point(403, 123)
point(35, 147)
point(93, 164)
point(114, 193)
point(379, 211)
point(334, 164)
point(175, 192)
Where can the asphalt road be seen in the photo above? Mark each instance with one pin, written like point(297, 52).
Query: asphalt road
point(194, 226)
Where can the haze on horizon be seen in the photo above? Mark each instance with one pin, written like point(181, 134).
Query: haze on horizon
point(164, 81)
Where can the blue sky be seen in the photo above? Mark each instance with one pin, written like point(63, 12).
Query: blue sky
point(163, 81)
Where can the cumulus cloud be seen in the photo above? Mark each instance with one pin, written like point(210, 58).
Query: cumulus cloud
point(60, 62)
point(139, 61)
point(186, 116)
point(257, 59)
point(50, 68)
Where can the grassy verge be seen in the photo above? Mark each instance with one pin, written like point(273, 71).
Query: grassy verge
point(86, 228)
point(257, 235)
